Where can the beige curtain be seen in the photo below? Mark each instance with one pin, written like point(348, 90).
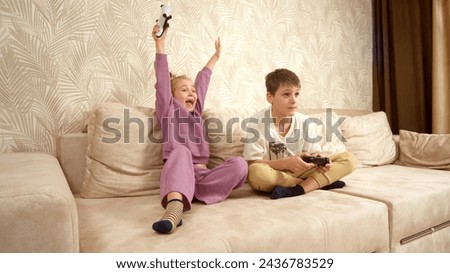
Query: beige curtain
point(441, 67)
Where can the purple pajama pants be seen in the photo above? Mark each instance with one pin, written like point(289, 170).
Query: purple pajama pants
point(180, 174)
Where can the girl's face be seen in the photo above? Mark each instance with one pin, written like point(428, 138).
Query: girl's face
point(285, 101)
point(184, 91)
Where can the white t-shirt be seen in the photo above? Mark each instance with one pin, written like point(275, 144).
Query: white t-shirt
point(264, 142)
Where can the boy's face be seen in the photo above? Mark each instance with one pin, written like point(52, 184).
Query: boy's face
point(185, 93)
point(285, 101)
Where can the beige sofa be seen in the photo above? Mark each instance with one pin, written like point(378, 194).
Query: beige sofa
point(393, 202)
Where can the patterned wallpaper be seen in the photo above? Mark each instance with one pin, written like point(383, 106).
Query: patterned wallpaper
point(58, 58)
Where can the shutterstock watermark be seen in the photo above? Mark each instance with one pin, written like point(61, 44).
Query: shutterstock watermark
point(187, 128)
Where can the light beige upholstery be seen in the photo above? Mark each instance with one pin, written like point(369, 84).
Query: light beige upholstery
point(389, 208)
point(370, 139)
point(37, 209)
point(322, 221)
point(121, 158)
point(326, 213)
point(71, 150)
point(417, 199)
point(424, 150)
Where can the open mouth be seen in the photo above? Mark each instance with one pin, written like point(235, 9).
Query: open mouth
point(190, 102)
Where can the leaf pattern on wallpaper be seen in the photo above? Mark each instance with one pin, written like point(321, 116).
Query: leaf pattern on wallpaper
point(60, 57)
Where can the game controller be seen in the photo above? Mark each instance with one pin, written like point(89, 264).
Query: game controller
point(322, 161)
point(163, 21)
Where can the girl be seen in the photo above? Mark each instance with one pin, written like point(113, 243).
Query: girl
point(179, 104)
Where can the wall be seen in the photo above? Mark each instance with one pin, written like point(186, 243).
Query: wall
point(59, 58)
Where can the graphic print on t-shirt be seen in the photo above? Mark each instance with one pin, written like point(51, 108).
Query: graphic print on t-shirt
point(276, 150)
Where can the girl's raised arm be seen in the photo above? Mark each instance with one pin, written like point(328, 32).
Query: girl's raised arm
point(214, 58)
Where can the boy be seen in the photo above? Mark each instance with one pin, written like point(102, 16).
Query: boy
point(275, 157)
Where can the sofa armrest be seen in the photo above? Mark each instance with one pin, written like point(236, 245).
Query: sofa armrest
point(71, 152)
point(37, 209)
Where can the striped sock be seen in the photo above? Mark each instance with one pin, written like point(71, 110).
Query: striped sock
point(171, 218)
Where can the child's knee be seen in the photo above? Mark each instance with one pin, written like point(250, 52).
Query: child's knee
point(181, 151)
point(259, 179)
point(348, 162)
point(240, 166)
point(238, 169)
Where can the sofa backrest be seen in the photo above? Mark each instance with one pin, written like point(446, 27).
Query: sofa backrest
point(71, 148)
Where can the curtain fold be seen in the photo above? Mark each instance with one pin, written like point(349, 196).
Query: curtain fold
point(403, 63)
point(383, 97)
point(441, 67)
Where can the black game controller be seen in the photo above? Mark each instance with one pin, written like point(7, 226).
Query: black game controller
point(318, 160)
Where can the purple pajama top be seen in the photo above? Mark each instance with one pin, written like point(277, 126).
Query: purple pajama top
point(179, 126)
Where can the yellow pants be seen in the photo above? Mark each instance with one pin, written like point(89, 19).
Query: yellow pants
point(264, 178)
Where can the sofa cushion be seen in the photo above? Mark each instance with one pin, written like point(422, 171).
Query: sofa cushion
point(123, 156)
point(37, 210)
point(320, 221)
point(417, 199)
point(225, 133)
point(424, 150)
point(369, 138)
point(331, 142)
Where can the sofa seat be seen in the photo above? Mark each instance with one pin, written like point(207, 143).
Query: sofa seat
point(38, 209)
point(322, 221)
point(424, 227)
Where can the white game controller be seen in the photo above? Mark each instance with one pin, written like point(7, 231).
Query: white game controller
point(163, 21)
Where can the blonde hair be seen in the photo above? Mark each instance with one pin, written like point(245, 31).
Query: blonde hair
point(174, 78)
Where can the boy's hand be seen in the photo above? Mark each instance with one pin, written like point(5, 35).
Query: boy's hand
point(319, 168)
point(323, 169)
point(295, 164)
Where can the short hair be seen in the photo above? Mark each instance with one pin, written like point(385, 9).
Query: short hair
point(279, 77)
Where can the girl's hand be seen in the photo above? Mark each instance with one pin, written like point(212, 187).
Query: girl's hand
point(159, 41)
point(218, 46)
point(155, 30)
point(215, 57)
